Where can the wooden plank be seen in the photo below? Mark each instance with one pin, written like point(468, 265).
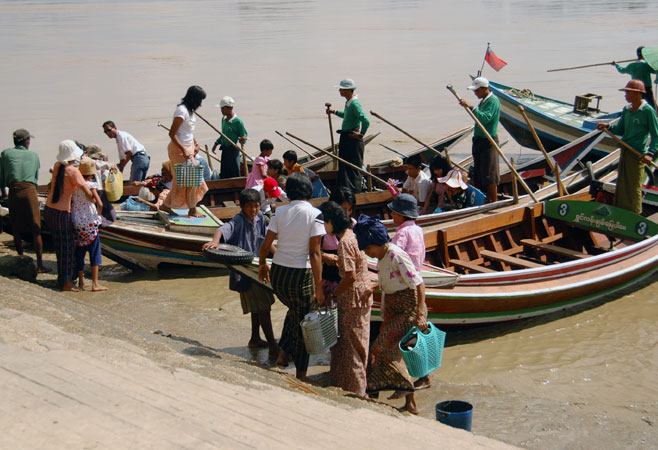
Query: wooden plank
point(554, 249)
point(470, 266)
point(511, 260)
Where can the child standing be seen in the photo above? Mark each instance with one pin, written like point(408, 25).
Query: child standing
point(405, 307)
point(349, 357)
point(247, 231)
point(259, 167)
point(85, 215)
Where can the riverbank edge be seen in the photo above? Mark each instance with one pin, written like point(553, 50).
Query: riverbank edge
point(87, 376)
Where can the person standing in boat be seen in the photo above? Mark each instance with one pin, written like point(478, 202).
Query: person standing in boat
point(350, 145)
point(636, 124)
point(181, 151)
point(485, 174)
point(19, 171)
point(233, 128)
point(640, 70)
point(129, 149)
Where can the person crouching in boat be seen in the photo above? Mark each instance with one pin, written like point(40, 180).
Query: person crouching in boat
point(181, 150)
point(439, 167)
point(404, 308)
point(455, 192)
point(349, 357)
point(636, 124)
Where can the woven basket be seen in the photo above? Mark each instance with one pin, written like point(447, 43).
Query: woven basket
point(320, 330)
point(188, 175)
point(426, 355)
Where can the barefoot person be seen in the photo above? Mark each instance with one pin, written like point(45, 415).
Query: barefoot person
point(19, 171)
point(57, 213)
point(485, 174)
point(404, 308)
point(86, 217)
point(349, 357)
point(247, 231)
point(296, 274)
point(181, 151)
point(233, 128)
point(636, 124)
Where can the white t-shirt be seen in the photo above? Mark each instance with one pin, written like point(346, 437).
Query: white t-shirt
point(295, 224)
point(185, 132)
point(419, 187)
point(126, 143)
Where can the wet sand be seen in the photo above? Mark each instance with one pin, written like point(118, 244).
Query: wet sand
point(572, 380)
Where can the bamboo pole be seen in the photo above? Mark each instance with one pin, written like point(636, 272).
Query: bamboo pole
point(353, 166)
point(331, 135)
point(592, 65)
point(209, 160)
point(515, 187)
point(495, 145)
point(554, 167)
point(209, 154)
point(308, 153)
point(429, 147)
point(628, 147)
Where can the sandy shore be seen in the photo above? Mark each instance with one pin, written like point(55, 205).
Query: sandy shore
point(77, 375)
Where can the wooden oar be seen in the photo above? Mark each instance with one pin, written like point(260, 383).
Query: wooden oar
point(209, 155)
point(560, 186)
point(429, 147)
point(353, 166)
point(493, 143)
point(591, 65)
point(226, 138)
point(400, 153)
point(299, 147)
point(331, 134)
point(628, 147)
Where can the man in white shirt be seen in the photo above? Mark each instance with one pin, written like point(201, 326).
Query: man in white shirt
point(129, 150)
point(418, 183)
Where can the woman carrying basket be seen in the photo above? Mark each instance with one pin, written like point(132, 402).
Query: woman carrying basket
point(181, 151)
point(404, 308)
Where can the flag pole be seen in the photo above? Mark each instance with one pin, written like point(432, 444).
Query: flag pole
point(483, 60)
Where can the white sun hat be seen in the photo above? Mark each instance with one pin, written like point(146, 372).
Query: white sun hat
point(226, 101)
point(454, 180)
point(478, 83)
point(68, 151)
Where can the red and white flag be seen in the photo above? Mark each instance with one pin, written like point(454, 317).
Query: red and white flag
point(495, 62)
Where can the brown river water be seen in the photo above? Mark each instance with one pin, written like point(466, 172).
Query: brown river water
point(583, 379)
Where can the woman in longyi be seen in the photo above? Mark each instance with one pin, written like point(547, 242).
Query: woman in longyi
point(181, 151)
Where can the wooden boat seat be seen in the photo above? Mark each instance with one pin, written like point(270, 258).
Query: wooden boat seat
point(511, 260)
point(554, 249)
point(472, 267)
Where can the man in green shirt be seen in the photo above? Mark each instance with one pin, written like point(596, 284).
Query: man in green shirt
point(350, 145)
point(233, 128)
point(640, 70)
point(484, 173)
point(19, 171)
point(636, 124)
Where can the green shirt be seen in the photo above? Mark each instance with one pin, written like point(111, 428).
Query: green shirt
point(488, 113)
point(639, 70)
point(354, 117)
point(233, 129)
point(635, 127)
point(19, 164)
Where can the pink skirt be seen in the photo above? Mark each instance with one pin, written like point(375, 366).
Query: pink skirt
point(183, 197)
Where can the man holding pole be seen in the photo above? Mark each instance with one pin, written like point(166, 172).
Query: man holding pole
point(637, 122)
point(640, 70)
point(350, 145)
point(233, 128)
point(484, 175)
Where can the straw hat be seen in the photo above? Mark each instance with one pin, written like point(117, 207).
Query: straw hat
point(68, 151)
point(634, 85)
point(87, 166)
point(454, 180)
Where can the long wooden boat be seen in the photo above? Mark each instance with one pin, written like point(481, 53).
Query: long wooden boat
point(555, 121)
point(537, 259)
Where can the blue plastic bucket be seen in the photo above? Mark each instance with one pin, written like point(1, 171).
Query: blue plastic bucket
point(455, 413)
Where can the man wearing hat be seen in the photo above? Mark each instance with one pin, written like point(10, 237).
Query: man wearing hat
point(484, 175)
point(233, 128)
point(129, 150)
point(350, 145)
point(637, 122)
point(19, 171)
